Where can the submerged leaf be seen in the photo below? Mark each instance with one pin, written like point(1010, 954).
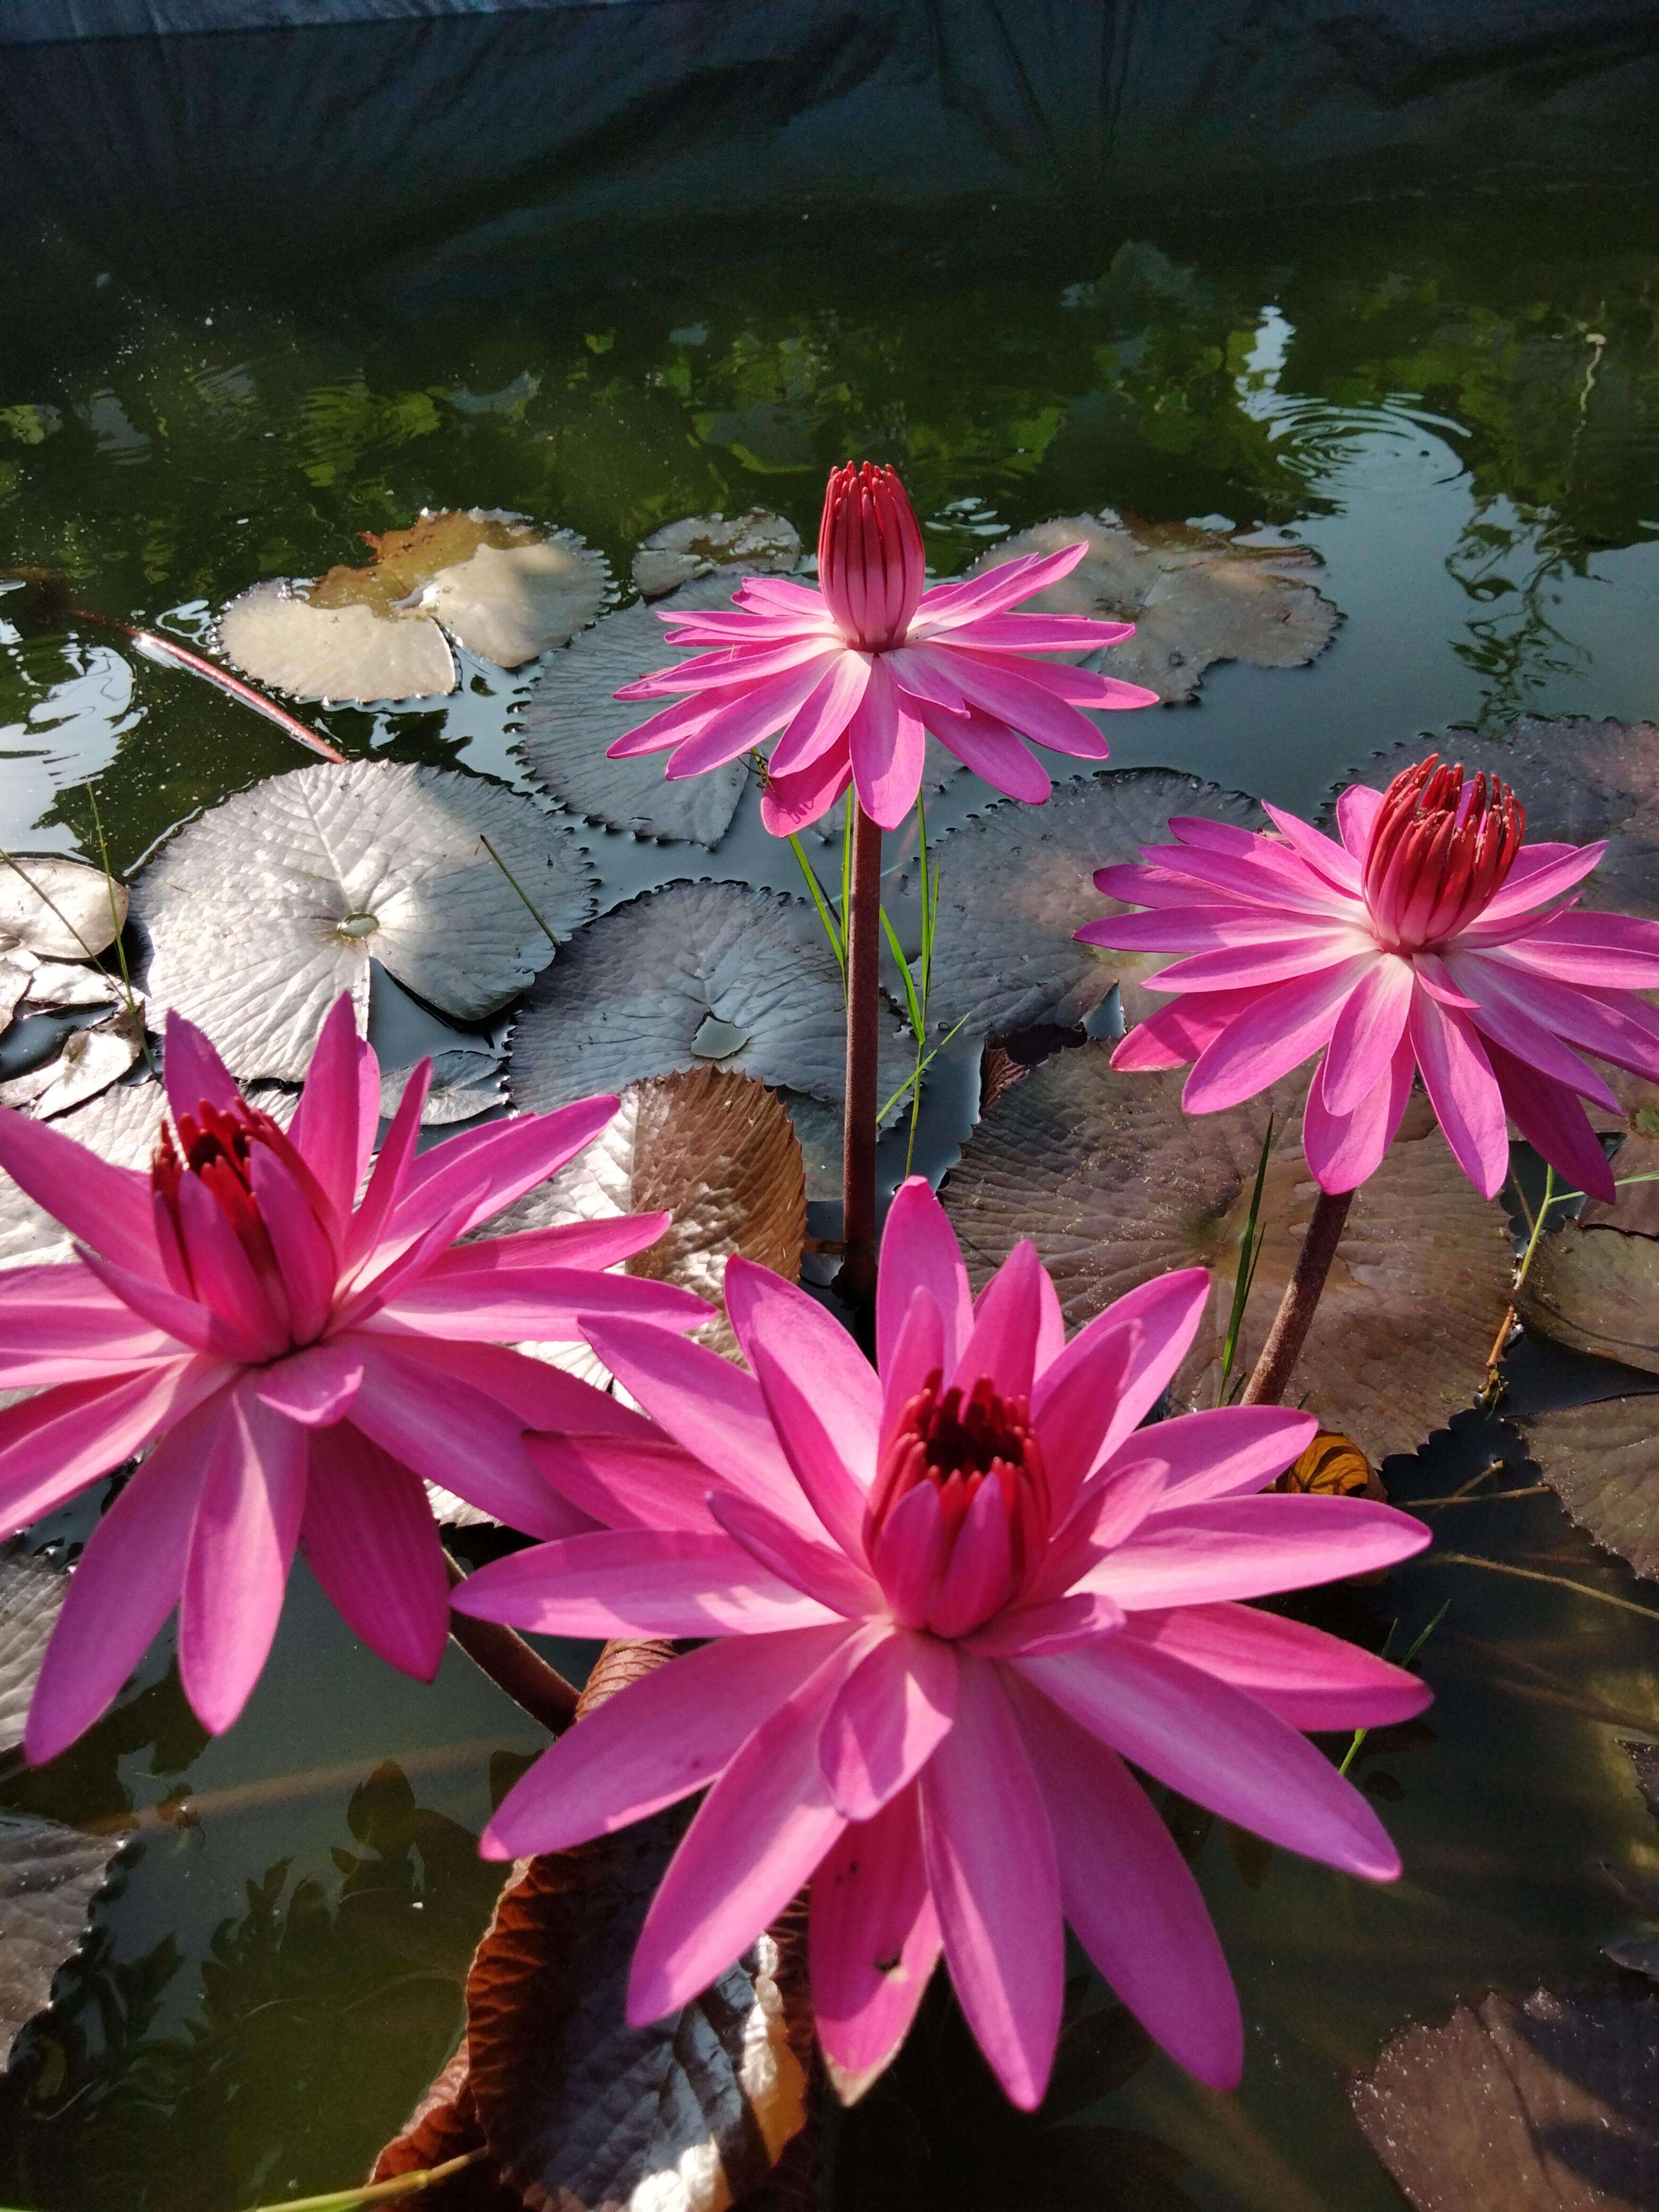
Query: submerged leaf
point(1116, 1184)
point(1016, 882)
point(1579, 781)
point(263, 910)
point(49, 1876)
point(58, 909)
point(1195, 596)
point(756, 541)
point(1553, 2101)
point(31, 1598)
point(632, 996)
point(1596, 1289)
point(501, 586)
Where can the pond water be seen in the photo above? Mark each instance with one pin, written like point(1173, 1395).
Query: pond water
point(1455, 404)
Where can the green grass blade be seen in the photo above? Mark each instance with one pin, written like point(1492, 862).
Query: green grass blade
point(1250, 1252)
point(831, 929)
point(918, 1019)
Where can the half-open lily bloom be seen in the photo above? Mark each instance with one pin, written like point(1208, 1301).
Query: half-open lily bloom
point(854, 672)
point(1431, 939)
point(299, 1356)
point(947, 1602)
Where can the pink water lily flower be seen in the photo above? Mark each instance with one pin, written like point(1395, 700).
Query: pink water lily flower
point(1431, 940)
point(947, 1602)
point(299, 1356)
point(855, 672)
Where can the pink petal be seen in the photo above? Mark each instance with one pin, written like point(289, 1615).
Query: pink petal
point(507, 1158)
point(909, 1555)
point(1501, 1012)
point(572, 1244)
point(918, 1353)
point(304, 1252)
point(1463, 1091)
point(791, 803)
point(1111, 1375)
point(315, 1387)
point(747, 721)
point(1311, 1681)
point(1551, 1119)
point(391, 1172)
point(1251, 967)
point(1541, 872)
point(1614, 1025)
point(991, 1867)
point(369, 1538)
point(247, 1522)
point(884, 743)
point(1218, 1748)
point(191, 1325)
point(1368, 1029)
point(991, 751)
point(807, 1562)
point(1114, 1506)
point(711, 1407)
point(674, 725)
point(1227, 1453)
point(1343, 1150)
point(978, 1574)
point(1270, 1037)
point(1002, 1343)
point(1235, 1548)
point(837, 1496)
point(485, 1304)
point(59, 1441)
point(1034, 633)
point(919, 1251)
point(125, 1585)
point(62, 1324)
point(1195, 929)
point(971, 598)
point(1357, 810)
point(1030, 711)
point(638, 1582)
point(1177, 1034)
point(817, 1352)
point(538, 1394)
point(820, 723)
point(1608, 951)
point(1268, 875)
point(1131, 1896)
point(335, 1122)
point(223, 1273)
point(1323, 854)
point(1059, 1624)
point(888, 1717)
point(193, 1072)
point(730, 666)
point(758, 1835)
point(641, 1481)
point(106, 1207)
point(872, 1943)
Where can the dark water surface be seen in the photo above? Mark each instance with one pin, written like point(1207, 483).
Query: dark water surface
point(1455, 402)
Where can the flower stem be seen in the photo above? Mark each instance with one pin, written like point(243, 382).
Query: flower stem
point(1296, 1309)
point(857, 1280)
point(512, 1665)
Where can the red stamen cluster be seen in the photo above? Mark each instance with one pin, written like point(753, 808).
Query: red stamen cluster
point(871, 568)
point(958, 1445)
point(1440, 850)
point(216, 1148)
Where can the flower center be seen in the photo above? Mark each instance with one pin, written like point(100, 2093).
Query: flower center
point(215, 1148)
point(1440, 851)
point(959, 1446)
point(871, 564)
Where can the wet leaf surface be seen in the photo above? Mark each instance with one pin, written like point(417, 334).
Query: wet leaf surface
point(1116, 1185)
point(1579, 780)
point(263, 911)
point(1016, 882)
point(694, 973)
point(120, 1126)
point(87, 1062)
point(501, 586)
point(31, 1597)
point(1602, 1462)
point(1551, 2101)
point(58, 909)
point(754, 542)
point(464, 1083)
point(1596, 1289)
point(49, 1876)
point(1195, 596)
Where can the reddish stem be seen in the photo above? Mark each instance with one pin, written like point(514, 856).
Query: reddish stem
point(165, 648)
point(1280, 1354)
point(857, 1280)
point(510, 1663)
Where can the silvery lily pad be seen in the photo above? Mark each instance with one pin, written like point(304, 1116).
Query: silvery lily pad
point(464, 1083)
point(49, 1876)
point(59, 986)
point(31, 1598)
point(1116, 1184)
point(1016, 882)
point(1553, 2101)
point(571, 717)
point(695, 973)
point(501, 586)
point(58, 909)
point(1579, 781)
point(121, 1126)
point(1194, 597)
point(755, 542)
point(88, 1061)
point(263, 911)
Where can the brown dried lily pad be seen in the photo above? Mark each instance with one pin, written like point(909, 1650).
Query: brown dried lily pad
point(1017, 883)
point(1579, 780)
point(576, 2111)
point(1195, 596)
point(1553, 2101)
point(49, 1876)
point(1116, 1184)
point(31, 1598)
point(1602, 1462)
point(1596, 1289)
point(499, 584)
point(58, 909)
point(756, 541)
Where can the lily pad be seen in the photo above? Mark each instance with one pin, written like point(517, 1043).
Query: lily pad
point(87, 1060)
point(1602, 1462)
point(122, 1127)
point(1016, 882)
point(1195, 596)
point(1579, 781)
point(49, 1876)
point(31, 1597)
point(756, 541)
point(570, 717)
point(261, 912)
point(694, 973)
point(58, 909)
point(501, 586)
point(1551, 2101)
point(464, 1083)
point(1597, 1291)
point(1116, 1184)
